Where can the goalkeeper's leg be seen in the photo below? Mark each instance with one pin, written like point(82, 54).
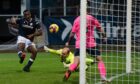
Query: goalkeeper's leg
point(73, 66)
point(89, 61)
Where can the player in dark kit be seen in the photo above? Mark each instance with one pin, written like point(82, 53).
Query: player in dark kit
point(28, 28)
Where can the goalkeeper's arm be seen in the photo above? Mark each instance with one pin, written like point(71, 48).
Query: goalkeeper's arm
point(53, 51)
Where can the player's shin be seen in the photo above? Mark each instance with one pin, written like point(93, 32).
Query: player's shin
point(22, 56)
point(30, 62)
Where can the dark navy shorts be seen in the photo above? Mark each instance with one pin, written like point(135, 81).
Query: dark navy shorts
point(91, 51)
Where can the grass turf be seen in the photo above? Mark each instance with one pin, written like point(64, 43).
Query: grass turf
point(47, 69)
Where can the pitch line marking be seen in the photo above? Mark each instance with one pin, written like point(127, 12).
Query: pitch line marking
point(118, 75)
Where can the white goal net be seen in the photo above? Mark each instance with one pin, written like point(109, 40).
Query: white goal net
point(120, 20)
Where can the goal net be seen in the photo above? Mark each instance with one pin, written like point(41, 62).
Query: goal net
point(120, 20)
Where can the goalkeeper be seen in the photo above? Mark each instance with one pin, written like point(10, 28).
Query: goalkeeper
point(67, 57)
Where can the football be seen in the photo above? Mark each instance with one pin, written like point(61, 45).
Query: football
point(53, 28)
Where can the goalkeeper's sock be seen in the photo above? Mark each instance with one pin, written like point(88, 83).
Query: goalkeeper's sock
point(73, 67)
point(102, 70)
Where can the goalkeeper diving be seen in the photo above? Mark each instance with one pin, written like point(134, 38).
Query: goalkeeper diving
point(66, 56)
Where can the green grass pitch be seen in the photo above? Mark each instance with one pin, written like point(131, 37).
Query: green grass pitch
point(47, 69)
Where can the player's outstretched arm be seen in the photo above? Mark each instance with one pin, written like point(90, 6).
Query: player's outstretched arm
point(52, 50)
point(12, 22)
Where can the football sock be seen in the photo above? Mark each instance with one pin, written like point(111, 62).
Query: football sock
point(30, 62)
point(102, 70)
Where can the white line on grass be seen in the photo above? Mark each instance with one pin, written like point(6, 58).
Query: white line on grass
point(113, 77)
point(118, 75)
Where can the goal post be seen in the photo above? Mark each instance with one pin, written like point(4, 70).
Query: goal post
point(83, 41)
point(128, 36)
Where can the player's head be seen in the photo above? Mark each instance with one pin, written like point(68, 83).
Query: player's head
point(65, 52)
point(27, 14)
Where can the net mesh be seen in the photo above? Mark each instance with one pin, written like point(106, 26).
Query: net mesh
point(112, 16)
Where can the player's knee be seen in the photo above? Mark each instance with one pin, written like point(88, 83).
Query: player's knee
point(21, 46)
point(34, 51)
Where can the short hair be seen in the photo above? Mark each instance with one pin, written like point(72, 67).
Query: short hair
point(26, 11)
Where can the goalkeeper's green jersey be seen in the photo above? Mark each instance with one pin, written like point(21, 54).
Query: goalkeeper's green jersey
point(68, 60)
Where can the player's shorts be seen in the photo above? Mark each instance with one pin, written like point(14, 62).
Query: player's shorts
point(91, 51)
point(21, 39)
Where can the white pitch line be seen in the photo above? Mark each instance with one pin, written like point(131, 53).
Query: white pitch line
point(118, 75)
point(113, 77)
